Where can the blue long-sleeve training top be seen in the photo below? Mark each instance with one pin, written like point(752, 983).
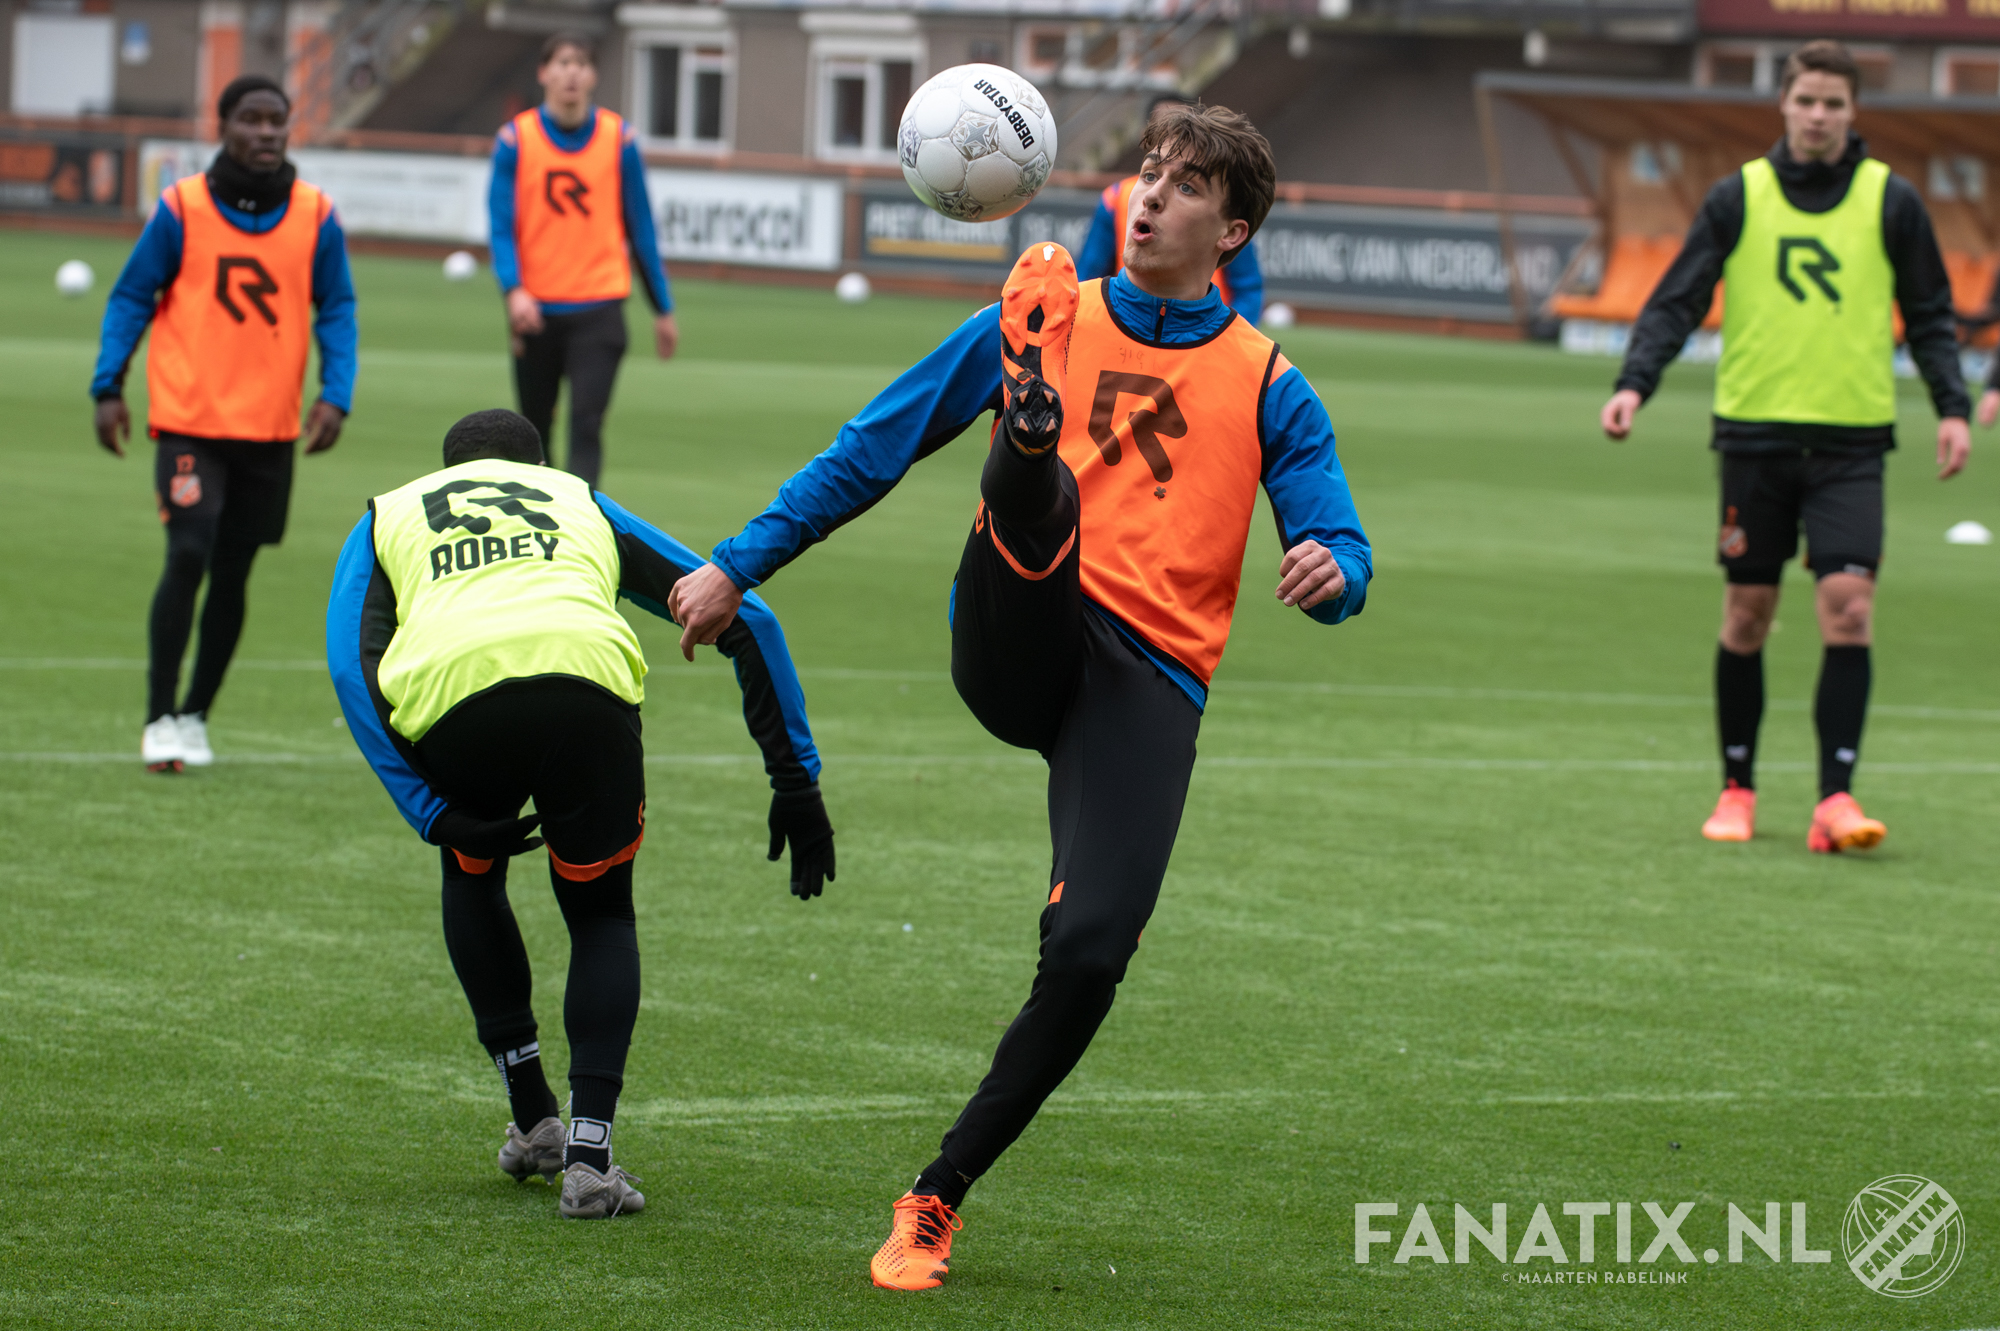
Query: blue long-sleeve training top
point(361, 621)
point(934, 402)
point(640, 236)
point(1100, 259)
point(156, 261)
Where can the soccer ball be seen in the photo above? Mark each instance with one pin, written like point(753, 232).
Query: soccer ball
point(460, 266)
point(853, 288)
point(75, 278)
point(977, 143)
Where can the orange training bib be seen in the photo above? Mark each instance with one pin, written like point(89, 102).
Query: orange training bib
point(1167, 450)
point(569, 215)
point(1118, 198)
point(227, 359)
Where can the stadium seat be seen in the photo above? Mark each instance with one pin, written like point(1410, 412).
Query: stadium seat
point(1632, 270)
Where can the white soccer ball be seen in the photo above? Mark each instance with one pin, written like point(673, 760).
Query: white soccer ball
point(460, 266)
point(852, 288)
point(1279, 315)
point(1969, 533)
point(977, 142)
point(75, 278)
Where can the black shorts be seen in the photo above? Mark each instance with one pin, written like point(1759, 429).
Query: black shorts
point(240, 492)
point(1767, 498)
point(562, 742)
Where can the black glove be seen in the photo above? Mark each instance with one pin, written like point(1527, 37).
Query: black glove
point(484, 838)
point(800, 816)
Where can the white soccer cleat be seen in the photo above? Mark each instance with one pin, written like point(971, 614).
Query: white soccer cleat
point(194, 740)
point(589, 1195)
point(537, 1152)
point(160, 745)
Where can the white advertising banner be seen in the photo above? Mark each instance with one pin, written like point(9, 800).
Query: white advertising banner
point(717, 216)
point(731, 217)
point(414, 196)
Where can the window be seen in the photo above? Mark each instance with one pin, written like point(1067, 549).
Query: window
point(680, 92)
point(861, 104)
point(62, 64)
point(664, 120)
point(1043, 50)
point(1963, 72)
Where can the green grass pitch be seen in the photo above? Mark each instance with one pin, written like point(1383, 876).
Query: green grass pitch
point(1439, 927)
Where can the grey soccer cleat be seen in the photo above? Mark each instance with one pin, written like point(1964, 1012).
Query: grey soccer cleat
point(537, 1152)
point(589, 1195)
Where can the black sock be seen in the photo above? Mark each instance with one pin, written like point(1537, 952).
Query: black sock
point(221, 625)
point(1031, 502)
point(942, 1180)
point(592, 1105)
point(528, 1095)
point(172, 620)
point(1839, 709)
point(1739, 710)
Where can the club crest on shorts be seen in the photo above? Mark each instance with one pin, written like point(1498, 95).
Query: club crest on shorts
point(184, 491)
point(1733, 541)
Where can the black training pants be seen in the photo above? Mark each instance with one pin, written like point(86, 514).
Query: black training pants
point(219, 500)
point(585, 348)
point(575, 750)
point(1043, 669)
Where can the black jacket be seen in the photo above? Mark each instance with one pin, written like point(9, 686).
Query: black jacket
point(1923, 290)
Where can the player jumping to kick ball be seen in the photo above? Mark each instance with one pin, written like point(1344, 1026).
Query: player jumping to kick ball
point(1818, 243)
point(1136, 418)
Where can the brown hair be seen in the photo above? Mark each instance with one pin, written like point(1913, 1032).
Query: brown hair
point(1224, 146)
point(585, 47)
point(1824, 57)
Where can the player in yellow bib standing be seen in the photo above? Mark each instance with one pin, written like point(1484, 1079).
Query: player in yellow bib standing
point(228, 274)
point(1135, 420)
point(569, 219)
point(1817, 244)
point(479, 656)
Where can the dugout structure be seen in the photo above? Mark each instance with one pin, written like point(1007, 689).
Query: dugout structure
point(1645, 155)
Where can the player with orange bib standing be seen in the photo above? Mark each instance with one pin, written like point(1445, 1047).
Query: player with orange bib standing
point(1239, 281)
point(569, 218)
point(228, 274)
point(1136, 418)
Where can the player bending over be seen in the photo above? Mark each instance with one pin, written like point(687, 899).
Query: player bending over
point(481, 662)
point(1136, 419)
point(1818, 243)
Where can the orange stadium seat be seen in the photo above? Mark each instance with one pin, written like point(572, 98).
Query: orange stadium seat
point(1633, 269)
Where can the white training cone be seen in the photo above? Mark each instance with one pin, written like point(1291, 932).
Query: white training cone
point(1968, 533)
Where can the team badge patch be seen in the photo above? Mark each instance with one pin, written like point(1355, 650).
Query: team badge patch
point(1733, 541)
point(184, 491)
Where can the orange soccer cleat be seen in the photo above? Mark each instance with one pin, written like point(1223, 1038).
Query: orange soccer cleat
point(1037, 311)
point(917, 1254)
point(1735, 816)
point(1838, 824)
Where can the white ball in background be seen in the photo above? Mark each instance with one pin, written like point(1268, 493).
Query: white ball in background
point(1969, 533)
point(460, 266)
point(852, 288)
point(1279, 315)
point(75, 278)
point(976, 143)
